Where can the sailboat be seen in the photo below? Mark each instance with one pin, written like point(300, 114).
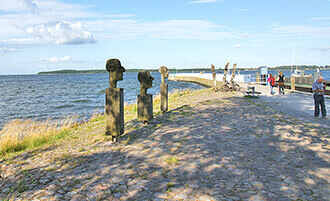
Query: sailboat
point(296, 72)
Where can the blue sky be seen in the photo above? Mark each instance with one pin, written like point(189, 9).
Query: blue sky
point(42, 35)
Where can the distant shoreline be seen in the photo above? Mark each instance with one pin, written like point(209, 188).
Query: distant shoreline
point(176, 70)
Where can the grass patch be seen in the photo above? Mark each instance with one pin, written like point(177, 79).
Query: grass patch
point(19, 135)
point(170, 185)
point(172, 160)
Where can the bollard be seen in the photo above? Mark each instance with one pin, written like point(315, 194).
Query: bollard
point(293, 83)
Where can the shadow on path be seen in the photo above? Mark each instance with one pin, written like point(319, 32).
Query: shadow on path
point(224, 149)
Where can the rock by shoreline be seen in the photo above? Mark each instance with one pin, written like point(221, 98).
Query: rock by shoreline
point(209, 146)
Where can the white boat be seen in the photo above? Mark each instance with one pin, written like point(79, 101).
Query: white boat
point(296, 73)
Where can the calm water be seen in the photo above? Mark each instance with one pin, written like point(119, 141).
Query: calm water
point(43, 96)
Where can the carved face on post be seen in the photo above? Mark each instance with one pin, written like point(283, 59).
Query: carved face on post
point(164, 71)
point(212, 68)
point(115, 70)
point(145, 79)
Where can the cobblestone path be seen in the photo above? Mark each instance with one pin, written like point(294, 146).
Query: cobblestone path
point(210, 146)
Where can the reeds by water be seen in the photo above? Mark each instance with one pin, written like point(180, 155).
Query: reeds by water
point(18, 135)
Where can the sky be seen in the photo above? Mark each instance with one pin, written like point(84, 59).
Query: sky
point(44, 35)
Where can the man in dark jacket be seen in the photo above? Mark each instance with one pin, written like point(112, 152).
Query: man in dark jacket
point(318, 90)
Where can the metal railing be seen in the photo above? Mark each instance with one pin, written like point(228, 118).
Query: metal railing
point(255, 79)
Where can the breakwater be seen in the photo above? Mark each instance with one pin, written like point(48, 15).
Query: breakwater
point(301, 83)
point(202, 81)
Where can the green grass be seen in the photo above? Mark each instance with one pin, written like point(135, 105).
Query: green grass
point(172, 160)
point(37, 134)
point(20, 135)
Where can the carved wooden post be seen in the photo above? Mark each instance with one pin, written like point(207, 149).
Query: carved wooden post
point(145, 101)
point(163, 89)
point(114, 101)
point(233, 74)
point(214, 76)
point(225, 74)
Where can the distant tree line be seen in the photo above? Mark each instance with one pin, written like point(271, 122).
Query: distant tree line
point(88, 71)
point(300, 67)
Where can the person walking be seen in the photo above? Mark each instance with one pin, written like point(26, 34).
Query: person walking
point(281, 83)
point(271, 81)
point(318, 90)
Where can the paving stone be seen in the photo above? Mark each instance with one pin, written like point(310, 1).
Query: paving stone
point(219, 146)
point(180, 197)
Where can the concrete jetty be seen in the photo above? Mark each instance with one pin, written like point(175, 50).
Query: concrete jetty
point(205, 79)
point(301, 84)
point(293, 102)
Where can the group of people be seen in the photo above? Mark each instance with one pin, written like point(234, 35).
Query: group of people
point(280, 81)
point(318, 89)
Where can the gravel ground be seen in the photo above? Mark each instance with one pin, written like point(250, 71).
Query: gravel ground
point(209, 146)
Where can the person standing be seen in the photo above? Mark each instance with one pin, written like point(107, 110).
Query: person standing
point(318, 90)
point(281, 83)
point(271, 81)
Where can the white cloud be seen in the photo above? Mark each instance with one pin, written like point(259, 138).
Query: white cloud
point(171, 29)
point(63, 33)
point(245, 35)
point(56, 22)
point(204, 1)
point(18, 6)
point(303, 30)
point(322, 49)
point(56, 59)
point(32, 6)
point(238, 45)
point(45, 21)
point(319, 18)
point(40, 20)
point(14, 5)
point(7, 49)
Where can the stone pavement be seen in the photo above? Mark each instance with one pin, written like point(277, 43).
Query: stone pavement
point(294, 103)
point(209, 146)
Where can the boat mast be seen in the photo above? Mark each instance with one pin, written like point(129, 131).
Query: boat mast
point(294, 54)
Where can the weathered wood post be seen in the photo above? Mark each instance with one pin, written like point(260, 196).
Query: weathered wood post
point(225, 74)
point(214, 76)
point(163, 89)
point(145, 101)
point(114, 101)
point(293, 83)
point(233, 74)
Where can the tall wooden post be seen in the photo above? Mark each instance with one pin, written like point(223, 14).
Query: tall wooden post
point(114, 101)
point(293, 83)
